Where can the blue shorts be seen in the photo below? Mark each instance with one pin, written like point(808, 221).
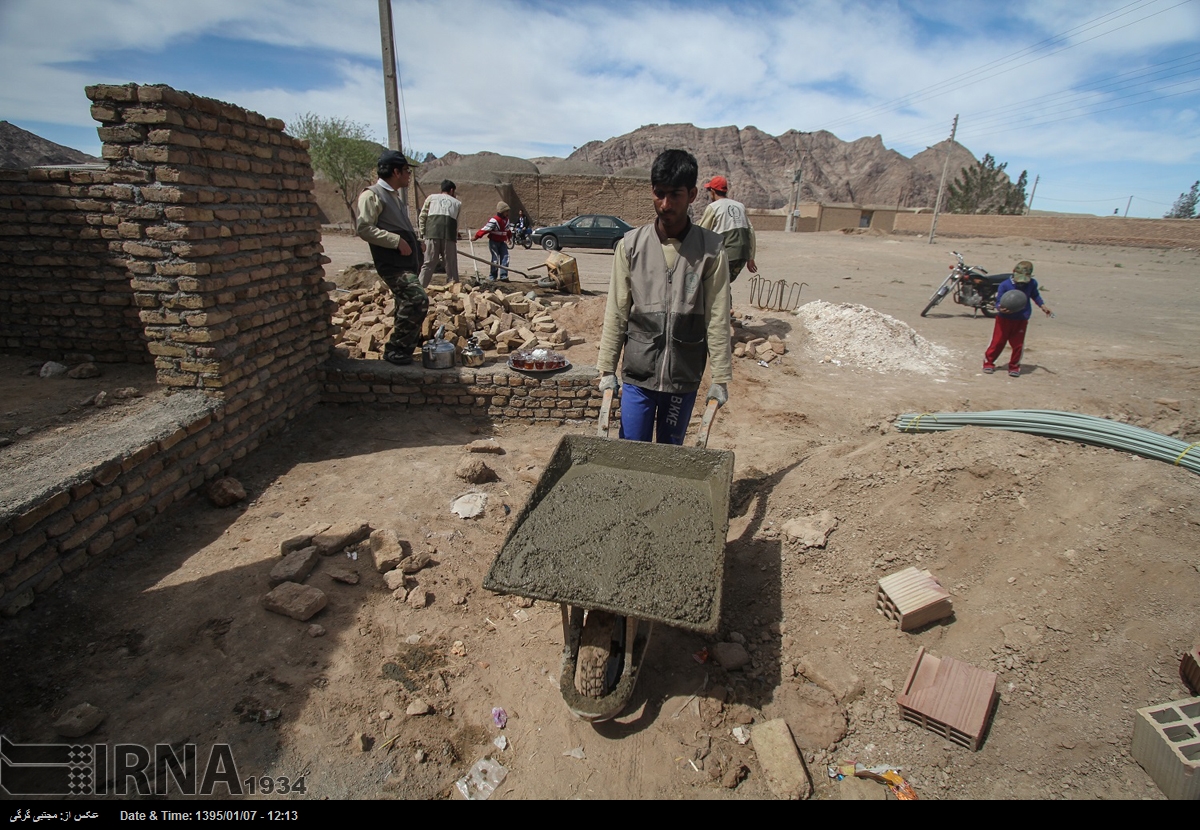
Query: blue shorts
point(642, 410)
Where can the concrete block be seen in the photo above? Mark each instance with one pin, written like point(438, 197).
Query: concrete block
point(781, 763)
point(1166, 742)
point(387, 549)
point(911, 598)
point(949, 697)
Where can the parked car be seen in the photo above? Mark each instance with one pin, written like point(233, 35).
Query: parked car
point(588, 231)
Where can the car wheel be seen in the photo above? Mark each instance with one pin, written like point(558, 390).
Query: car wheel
point(616, 242)
point(550, 243)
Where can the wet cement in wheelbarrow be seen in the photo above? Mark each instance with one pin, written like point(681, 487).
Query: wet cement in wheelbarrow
point(621, 540)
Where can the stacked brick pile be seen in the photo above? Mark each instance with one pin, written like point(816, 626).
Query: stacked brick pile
point(501, 322)
point(219, 232)
point(60, 290)
point(765, 349)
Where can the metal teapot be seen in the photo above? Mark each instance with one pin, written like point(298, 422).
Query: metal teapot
point(438, 353)
point(472, 354)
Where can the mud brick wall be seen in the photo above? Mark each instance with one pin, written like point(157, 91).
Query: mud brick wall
point(70, 504)
point(60, 290)
point(1102, 230)
point(492, 392)
point(221, 238)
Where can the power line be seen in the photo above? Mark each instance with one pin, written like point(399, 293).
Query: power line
point(928, 91)
point(1144, 75)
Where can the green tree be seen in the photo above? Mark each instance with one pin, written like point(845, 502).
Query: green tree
point(984, 187)
point(1185, 205)
point(343, 151)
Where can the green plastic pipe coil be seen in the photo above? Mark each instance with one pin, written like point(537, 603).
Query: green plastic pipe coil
point(1086, 429)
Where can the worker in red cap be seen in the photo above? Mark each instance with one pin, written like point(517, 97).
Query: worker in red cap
point(728, 218)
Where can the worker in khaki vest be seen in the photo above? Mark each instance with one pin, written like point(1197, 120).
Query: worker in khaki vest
point(728, 218)
point(667, 315)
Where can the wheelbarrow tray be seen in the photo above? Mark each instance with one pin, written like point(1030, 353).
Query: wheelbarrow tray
point(634, 528)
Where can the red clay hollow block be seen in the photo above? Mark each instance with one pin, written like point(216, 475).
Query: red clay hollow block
point(912, 598)
point(949, 697)
point(1166, 742)
point(1189, 669)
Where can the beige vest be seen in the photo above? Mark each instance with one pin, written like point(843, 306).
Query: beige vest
point(666, 345)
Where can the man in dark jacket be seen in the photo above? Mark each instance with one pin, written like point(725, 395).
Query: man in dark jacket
point(383, 222)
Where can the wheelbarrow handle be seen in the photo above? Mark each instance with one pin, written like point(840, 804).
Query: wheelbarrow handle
point(710, 412)
point(605, 409)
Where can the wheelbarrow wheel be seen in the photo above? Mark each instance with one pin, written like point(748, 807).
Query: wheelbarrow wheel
point(598, 650)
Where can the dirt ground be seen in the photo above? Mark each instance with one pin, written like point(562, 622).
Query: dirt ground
point(1073, 569)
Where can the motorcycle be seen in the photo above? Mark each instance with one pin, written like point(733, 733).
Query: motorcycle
point(521, 236)
point(972, 286)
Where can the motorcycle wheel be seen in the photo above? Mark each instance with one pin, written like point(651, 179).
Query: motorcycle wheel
point(988, 311)
point(527, 241)
point(937, 297)
point(512, 242)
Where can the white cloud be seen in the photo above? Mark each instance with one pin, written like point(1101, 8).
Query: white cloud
point(519, 77)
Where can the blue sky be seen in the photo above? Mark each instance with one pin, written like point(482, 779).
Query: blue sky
point(1100, 98)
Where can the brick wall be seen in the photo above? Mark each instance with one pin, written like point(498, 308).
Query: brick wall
point(224, 253)
point(60, 290)
point(206, 213)
point(1102, 230)
point(490, 391)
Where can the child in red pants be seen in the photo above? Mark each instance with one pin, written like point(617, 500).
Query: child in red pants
point(1010, 325)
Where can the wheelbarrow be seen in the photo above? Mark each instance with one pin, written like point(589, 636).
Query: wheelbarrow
point(622, 535)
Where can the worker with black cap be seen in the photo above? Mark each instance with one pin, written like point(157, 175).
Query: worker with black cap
point(383, 222)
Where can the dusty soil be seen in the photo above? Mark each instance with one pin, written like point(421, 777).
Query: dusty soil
point(1073, 569)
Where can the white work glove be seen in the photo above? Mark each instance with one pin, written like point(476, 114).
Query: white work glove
point(609, 381)
point(719, 393)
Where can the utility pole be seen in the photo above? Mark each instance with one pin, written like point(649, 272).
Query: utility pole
point(1127, 204)
point(793, 203)
point(937, 206)
point(1033, 193)
point(390, 93)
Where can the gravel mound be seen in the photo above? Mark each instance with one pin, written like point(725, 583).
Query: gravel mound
point(855, 335)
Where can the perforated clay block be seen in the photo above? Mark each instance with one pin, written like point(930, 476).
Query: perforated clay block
point(949, 697)
point(911, 598)
point(1166, 742)
point(1189, 669)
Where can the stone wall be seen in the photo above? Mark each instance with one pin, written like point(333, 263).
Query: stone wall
point(61, 292)
point(1101, 230)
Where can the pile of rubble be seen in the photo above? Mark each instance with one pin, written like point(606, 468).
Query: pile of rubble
point(499, 321)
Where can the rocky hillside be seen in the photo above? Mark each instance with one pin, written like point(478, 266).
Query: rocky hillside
point(20, 149)
point(760, 166)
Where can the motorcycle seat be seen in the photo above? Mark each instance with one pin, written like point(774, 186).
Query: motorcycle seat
point(996, 279)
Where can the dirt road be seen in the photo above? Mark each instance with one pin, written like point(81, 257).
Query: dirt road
point(1073, 569)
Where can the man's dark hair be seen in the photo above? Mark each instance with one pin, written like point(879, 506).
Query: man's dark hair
point(674, 168)
point(448, 185)
point(390, 162)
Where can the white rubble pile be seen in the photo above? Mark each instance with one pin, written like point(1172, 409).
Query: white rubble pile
point(855, 335)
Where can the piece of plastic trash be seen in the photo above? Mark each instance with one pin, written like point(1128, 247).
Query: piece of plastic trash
point(577, 752)
point(701, 656)
point(499, 717)
point(501, 743)
point(470, 505)
point(481, 780)
point(521, 615)
point(764, 364)
point(741, 734)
